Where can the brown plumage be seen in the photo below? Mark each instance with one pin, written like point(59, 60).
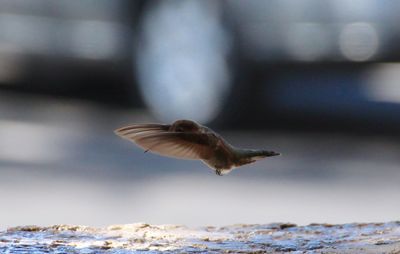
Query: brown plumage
point(185, 139)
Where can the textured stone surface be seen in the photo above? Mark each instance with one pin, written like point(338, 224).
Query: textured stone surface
point(138, 238)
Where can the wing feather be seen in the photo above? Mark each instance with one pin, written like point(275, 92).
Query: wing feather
point(132, 130)
point(157, 139)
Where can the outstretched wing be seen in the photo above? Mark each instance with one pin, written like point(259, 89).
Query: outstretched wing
point(157, 138)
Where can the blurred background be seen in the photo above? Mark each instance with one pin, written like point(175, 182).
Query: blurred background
point(315, 80)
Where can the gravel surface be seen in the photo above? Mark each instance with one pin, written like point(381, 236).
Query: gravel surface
point(241, 238)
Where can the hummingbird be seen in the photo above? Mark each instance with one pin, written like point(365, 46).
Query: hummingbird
point(186, 139)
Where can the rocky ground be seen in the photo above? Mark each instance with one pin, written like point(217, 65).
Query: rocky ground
point(257, 238)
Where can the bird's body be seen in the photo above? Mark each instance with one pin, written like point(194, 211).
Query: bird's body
point(185, 139)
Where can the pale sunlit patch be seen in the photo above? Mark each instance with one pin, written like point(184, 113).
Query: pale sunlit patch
point(29, 142)
point(95, 39)
point(359, 41)
point(182, 67)
point(308, 41)
point(383, 83)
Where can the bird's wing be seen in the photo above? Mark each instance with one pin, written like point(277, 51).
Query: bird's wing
point(130, 131)
point(157, 139)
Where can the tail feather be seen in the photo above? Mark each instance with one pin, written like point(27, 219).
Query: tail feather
point(259, 154)
point(269, 153)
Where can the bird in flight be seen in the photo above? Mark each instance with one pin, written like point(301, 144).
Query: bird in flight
point(185, 139)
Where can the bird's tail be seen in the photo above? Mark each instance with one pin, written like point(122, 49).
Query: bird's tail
point(269, 153)
point(247, 156)
point(260, 154)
